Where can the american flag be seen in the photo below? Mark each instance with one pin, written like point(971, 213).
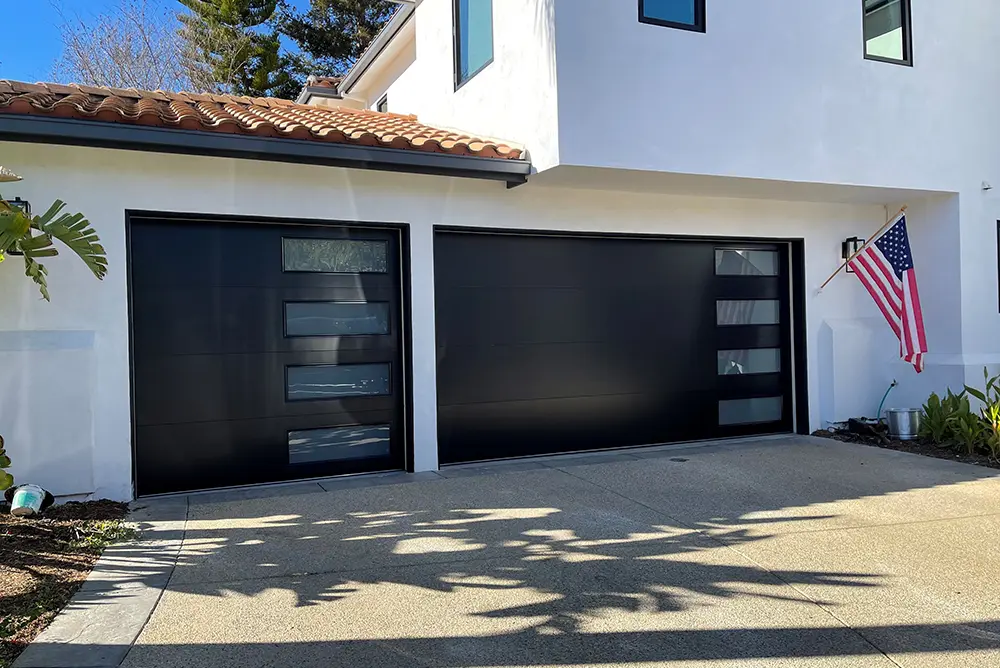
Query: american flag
point(885, 268)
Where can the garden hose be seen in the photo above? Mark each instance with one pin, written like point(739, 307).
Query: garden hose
point(878, 416)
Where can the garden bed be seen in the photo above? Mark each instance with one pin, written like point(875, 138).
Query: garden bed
point(879, 438)
point(44, 560)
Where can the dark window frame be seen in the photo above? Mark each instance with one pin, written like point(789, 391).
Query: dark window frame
point(383, 104)
point(456, 50)
point(907, 60)
point(697, 26)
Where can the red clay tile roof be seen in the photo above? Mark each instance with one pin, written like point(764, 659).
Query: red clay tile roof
point(259, 117)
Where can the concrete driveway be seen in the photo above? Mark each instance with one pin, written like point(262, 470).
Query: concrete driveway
point(786, 552)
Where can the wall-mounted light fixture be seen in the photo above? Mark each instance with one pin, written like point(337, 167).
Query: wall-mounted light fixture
point(848, 248)
point(25, 207)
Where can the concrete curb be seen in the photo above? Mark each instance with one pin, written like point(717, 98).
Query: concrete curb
point(98, 626)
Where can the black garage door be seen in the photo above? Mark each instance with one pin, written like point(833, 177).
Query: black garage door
point(263, 352)
point(559, 343)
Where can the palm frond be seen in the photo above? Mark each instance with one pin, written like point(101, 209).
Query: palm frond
point(75, 232)
point(37, 272)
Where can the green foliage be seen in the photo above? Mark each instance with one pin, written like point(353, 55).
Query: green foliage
point(97, 535)
point(332, 34)
point(6, 479)
point(937, 425)
point(18, 233)
point(231, 46)
point(967, 431)
point(234, 46)
point(989, 411)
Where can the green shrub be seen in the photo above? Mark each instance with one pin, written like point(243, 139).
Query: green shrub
point(937, 425)
point(967, 431)
point(989, 412)
point(6, 479)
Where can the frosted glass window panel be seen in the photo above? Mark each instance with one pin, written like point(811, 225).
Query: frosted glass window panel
point(336, 381)
point(746, 262)
point(337, 444)
point(745, 362)
point(336, 318)
point(750, 411)
point(748, 312)
point(886, 24)
point(335, 256)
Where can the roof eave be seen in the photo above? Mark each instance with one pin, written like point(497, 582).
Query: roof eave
point(378, 45)
point(72, 132)
point(310, 92)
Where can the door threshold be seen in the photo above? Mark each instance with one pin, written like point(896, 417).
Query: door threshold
point(296, 486)
point(639, 451)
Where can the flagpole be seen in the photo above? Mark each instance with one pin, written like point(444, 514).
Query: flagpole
point(863, 246)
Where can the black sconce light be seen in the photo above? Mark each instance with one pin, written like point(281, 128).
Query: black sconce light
point(25, 207)
point(848, 248)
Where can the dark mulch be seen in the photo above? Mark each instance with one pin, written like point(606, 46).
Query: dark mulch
point(877, 435)
point(44, 560)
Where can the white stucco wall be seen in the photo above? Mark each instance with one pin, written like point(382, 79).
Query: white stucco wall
point(64, 385)
point(513, 98)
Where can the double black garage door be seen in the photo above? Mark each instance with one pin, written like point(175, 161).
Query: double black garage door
point(265, 352)
point(563, 343)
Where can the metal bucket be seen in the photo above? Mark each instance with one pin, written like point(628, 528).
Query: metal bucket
point(904, 423)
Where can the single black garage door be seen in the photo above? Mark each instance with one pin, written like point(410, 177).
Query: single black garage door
point(565, 343)
point(263, 352)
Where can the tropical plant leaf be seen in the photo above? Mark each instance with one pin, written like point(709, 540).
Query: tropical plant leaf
point(6, 480)
point(13, 226)
point(75, 232)
point(37, 272)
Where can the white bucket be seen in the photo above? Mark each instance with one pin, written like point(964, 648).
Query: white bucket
point(27, 500)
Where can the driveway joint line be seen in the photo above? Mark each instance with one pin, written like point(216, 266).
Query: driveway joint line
point(170, 576)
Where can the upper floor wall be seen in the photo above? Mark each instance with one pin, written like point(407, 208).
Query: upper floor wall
point(513, 97)
point(782, 90)
point(769, 89)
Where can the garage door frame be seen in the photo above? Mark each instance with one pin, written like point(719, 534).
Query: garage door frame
point(406, 330)
point(796, 300)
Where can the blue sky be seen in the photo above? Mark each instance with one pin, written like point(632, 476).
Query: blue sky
point(31, 41)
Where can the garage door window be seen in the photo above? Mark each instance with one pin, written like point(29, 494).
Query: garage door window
point(750, 411)
point(307, 383)
point(747, 312)
point(339, 443)
point(335, 256)
point(742, 362)
point(336, 318)
point(746, 262)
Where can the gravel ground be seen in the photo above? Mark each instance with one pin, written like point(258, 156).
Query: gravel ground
point(44, 560)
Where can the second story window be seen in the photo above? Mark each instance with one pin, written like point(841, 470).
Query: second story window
point(473, 38)
point(683, 14)
point(383, 104)
point(887, 31)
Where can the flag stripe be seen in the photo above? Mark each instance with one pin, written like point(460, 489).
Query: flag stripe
point(918, 313)
point(885, 268)
point(861, 272)
point(873, 262)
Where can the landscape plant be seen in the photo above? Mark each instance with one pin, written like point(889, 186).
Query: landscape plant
point(989, 412)
point(937, 425)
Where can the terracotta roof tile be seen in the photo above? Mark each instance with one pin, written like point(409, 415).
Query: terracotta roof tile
point(259, 117)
